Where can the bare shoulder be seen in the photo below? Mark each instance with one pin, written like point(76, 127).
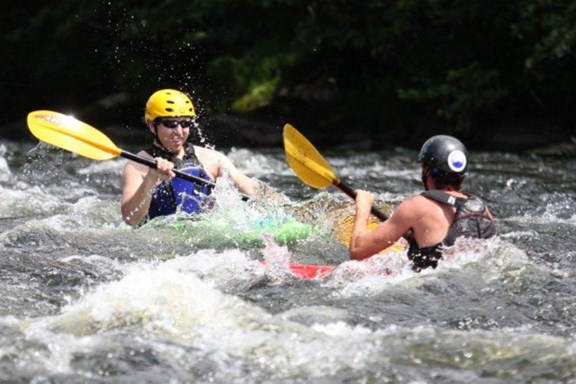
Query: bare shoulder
point(414, 206)
point(214, 162)
point(413, 202)
point(208, 154)
point(132, 166)
point(203, 150)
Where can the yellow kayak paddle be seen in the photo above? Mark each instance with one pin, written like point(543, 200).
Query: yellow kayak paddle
point(68, 133)
point(310, 167)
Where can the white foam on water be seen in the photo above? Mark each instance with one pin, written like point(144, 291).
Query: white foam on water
point(166, 304)
point(5, 172)
point(255, 164)
point(371, 276)
point(228, 270)
point(155, 303)
point(24, 200)
point(114, 166)
point(558, 209)
point(229, 205)
point(380, 272)
point(180, 303)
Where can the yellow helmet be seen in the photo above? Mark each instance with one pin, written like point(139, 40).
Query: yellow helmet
point(168, 103)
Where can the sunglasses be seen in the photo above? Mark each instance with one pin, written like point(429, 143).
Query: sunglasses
point(175, 123)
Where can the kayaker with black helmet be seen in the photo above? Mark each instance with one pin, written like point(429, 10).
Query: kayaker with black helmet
point(148, 192)
point(430, 220)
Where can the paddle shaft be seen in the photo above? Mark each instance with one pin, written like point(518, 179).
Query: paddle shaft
point(152, 164)
point(73, 135)
point(311, 167)
point(350, 192)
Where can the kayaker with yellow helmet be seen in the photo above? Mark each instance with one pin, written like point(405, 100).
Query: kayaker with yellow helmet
point(148, 192)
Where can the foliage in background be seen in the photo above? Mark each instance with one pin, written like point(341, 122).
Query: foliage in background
point(379, 66)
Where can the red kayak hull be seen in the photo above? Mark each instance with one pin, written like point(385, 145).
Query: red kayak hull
point(310, 271)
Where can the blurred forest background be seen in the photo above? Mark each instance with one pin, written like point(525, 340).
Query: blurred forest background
point(359, 73)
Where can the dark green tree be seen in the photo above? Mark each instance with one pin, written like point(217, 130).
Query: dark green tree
point(392, 71)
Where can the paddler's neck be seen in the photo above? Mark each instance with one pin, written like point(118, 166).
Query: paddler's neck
point(179, 154)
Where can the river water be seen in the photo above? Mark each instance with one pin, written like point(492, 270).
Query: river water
point(84, 298)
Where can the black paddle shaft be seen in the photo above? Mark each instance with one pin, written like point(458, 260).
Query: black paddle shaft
point(350, 192)
point(152, 164)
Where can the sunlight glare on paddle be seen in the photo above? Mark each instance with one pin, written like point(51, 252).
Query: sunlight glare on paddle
point(306, 161)
point(71, 134)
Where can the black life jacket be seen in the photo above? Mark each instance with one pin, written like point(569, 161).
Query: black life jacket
point(471, 219)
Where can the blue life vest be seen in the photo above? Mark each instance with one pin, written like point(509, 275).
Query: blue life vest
point(179, 194)
point(470, 220)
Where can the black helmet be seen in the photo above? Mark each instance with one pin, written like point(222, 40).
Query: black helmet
point(444, 153)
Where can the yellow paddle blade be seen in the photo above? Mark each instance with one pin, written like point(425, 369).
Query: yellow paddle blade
point(68, 133)
point(343, 232)
point(306, 162)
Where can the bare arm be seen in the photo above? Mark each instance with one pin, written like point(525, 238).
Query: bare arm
point(138, 184)
point(244, 183)
point(365, 243)
point(219, 165)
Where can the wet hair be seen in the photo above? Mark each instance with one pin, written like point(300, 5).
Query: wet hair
point(445, 180)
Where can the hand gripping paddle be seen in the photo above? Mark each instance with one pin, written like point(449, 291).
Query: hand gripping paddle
point(310, 167)
point(68, 133)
